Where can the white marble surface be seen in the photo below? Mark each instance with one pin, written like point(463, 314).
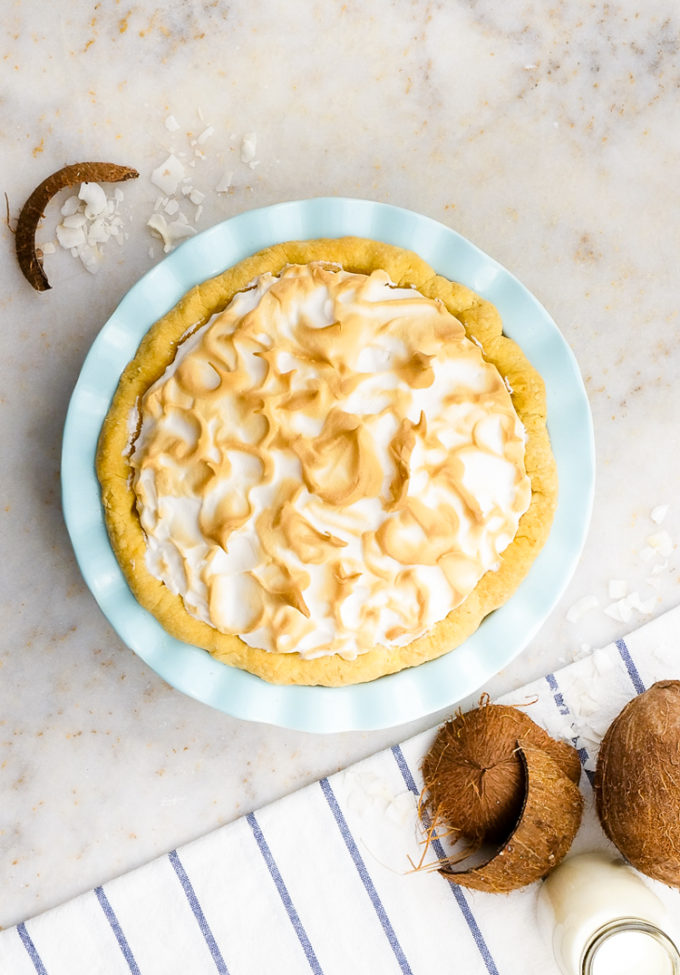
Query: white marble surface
point(547, 134)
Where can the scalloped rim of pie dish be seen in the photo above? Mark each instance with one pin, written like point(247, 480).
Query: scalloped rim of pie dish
point(482, 323)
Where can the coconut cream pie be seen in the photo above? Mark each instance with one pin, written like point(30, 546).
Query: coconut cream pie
point(327, 464)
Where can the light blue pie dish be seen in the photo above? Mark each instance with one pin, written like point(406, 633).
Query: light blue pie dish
point(412, 693)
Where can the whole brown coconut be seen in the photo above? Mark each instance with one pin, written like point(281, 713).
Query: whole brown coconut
point(637, 782)
point(474, 777)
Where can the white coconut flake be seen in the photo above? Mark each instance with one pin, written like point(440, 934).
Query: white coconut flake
point(168, 175)
point(661, 542)
point(587, 704)
point(618, 588)
point(99, 232)
point(582, 606)
point(643, 606)
point(170, 233)
point(205, 135)
point(659, 567)
point(70, 237)
point(94, 198)
point(601, 662)
point(70, 206)
point(197, 197)
point(159, 225)
point(171, 123)
point(90, 219)
point(248, 147)
point(621, 610)
point(74, 220)
point(658, 514)
point(225, 182)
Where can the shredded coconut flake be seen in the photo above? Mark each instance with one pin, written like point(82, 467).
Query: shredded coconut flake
point(70, 206)
point(70, 237)
point(248, 147)
point(225, 182)
point(658, 514)
point(73, 221)
point(90, 218)
point(618, 588)
point(205, 135)
point(661, 542)
point(643, 606)
point(168, 175)
point(170, 233)
point(94, 198)
point(582, 606)
point(623, 609)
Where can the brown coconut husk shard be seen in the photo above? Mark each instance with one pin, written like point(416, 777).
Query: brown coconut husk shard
point(493, 776)
point(637, 782)
point(34, 208)
point(546, 826)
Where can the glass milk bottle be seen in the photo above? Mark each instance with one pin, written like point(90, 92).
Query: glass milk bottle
point(604, 920)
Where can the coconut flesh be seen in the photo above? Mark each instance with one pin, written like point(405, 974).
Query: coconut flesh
point(637, 782)
point(493, 776)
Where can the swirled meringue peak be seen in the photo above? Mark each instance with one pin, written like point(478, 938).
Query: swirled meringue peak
point(328, 465)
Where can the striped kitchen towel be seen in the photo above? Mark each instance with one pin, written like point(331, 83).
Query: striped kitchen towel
point(321, 880)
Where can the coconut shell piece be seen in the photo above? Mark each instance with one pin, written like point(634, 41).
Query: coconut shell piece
point(34, 208)
point(637, 782)
point(474, 778)
point(549, 819)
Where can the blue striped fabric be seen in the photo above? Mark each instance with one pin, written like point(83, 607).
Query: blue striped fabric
point(455, 890)
point(117, 930)
point(31, 949)
point(357, 859)
point(362, 891)
point(630, 666)
point(283, 894)
point(565, 710)
point(188, 889)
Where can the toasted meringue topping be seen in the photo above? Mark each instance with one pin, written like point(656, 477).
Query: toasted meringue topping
point(328, 465)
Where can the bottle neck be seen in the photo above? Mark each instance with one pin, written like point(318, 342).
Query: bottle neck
point(609, 949)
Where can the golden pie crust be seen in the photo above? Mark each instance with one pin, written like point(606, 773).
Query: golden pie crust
point(157, 350)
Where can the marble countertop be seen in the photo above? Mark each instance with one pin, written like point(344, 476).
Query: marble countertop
point(545, 134)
